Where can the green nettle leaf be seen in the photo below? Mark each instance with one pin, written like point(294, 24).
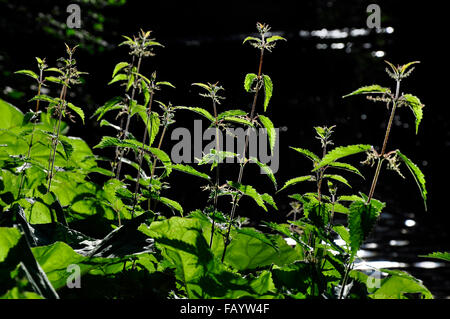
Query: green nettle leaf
point(268, 90)
point(77, 110)
point(438, 255)
point(343, 232)
point(55, 80)
point(266, 169)
point(416, 106)
point(340, 152)
point(190, 170)
point(419, 177)
point(238, 120)
point(248, 190)
point(119, 66)
point(231, 113)
point(200, 111)
point(337, 178)
point(10, 115)
point(106, 123)
point(118, 77)
point(113, 104)
point(346, 167)
point(248, 82)
point(370, 89)
point(54, 70)
point(251, 39)
point(171, 204)
point(166, 83)
point(361, 219)
point(313, 157)
point(153, 124)
point(67, 146)
point(269, 200)
point(28, 73)
point(54, 260)
point(163, 157)
point(398, 284)
point(407, 65)
point(271, 133)
point(202, 85)
point(8, 239)
point(275, 38)
point(296, 180)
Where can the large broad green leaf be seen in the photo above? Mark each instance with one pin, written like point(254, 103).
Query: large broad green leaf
point(10, 115)
point(247, 251)
point(370, 89)
point(419, 177)
point(9, 237)
point(438, 255)
point(197, 269)
point(268, 90)
point(54, 260)
point(15, 253)
point(271, 133)
point(340, 152)
point(416, 106)
point(397, 285)
point(361, 220)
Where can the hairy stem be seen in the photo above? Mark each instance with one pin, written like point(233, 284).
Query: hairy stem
point(216, 191)
point(56, 131)
point(244, 153)
point(141, 153)
point(386, 137)
point(127, 125)
point(117, 151)
point(154, 163)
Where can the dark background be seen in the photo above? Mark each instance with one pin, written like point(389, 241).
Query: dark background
point(203, 43)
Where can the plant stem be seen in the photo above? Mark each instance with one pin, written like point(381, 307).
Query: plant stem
point(56, 130)
point(117, 150)
point(347, 270)
point(127, 125)
point(386, 137)
point(216, 194)
point(378, 169)
point(141, 153)
point(154, 162)
point(243, 162)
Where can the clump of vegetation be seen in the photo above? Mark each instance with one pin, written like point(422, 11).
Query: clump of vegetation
point(48, 199)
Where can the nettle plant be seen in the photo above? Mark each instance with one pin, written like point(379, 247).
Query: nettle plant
point(111, 239)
